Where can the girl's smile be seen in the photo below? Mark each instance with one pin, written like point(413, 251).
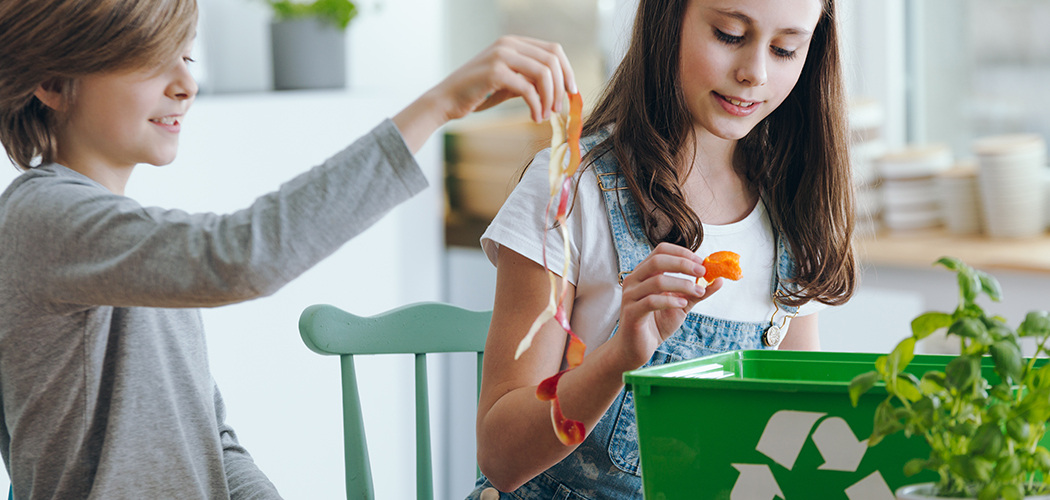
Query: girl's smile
point(737, 106)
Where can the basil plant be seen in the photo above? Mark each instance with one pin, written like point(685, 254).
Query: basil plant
point(983, 432)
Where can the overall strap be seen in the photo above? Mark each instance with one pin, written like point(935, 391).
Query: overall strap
point(625, 219)
point(784, 271)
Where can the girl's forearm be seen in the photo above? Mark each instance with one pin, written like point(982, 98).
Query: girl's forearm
point(516, 440)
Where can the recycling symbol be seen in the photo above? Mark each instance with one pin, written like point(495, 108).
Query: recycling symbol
point(782, 441)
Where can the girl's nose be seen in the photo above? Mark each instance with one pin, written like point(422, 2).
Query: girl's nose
point(752, 69)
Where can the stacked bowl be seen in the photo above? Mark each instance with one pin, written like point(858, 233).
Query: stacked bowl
point(1011, 177)
point(960, 200)
point(909, 188)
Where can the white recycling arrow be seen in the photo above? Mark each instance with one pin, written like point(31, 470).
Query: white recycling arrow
point(838, 445)
point(873, 487)
point(784, 435)
point(756, 482)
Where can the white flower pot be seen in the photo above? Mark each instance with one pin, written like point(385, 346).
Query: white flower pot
point(924, 491)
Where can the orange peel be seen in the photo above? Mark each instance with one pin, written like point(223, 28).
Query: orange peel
point(722, 264)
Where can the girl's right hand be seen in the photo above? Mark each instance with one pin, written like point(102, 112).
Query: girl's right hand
point(654, 304)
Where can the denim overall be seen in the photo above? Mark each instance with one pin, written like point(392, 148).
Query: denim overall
point(606, 464)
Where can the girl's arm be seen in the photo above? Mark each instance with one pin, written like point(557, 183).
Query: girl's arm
point(802, 334)
point(537, 71)
point(516, 441)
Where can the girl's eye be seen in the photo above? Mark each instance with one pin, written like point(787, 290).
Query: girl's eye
point(726, 38)
point(783, 53)
point(189, 59)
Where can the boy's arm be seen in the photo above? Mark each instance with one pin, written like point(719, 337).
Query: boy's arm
point(245, 480)
point(83, 245)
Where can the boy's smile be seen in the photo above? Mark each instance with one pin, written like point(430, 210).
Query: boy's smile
point(119, 119)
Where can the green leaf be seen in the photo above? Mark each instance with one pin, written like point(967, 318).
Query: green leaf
point(1018, 430)
point(962, 371)
point(969, 285)
point(927, 323)
point(337, 12)
point(990, 285)
point(861, 384)
point(1008, 360)
point(1011, 492)
point(972, 328)
point(951, 263)
point(1008, 466)
point(1040, 379)
point(987, 442)
point(886, 422)
point(907, 387)
point(901, 356)
point(933, 383)
point(914, 466)
point(998, 413)
point(1035, 324)
point(880, 366)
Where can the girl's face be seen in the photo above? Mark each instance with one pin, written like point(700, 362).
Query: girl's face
point(119, 119)
point(741, 58)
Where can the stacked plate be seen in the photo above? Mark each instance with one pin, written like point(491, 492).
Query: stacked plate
point(1012, 184)
point(866, 144)
point(960, 201)
point(909, 186)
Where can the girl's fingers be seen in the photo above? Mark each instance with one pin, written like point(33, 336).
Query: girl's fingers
point(663, 284)
point(660, 263)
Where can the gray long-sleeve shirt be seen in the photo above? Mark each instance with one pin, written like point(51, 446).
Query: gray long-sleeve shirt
point(104, 379)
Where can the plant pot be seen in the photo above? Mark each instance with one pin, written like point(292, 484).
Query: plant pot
point(308, 53)
point(925, 491)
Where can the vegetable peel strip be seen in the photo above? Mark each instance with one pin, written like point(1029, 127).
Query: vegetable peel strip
point(565, 138)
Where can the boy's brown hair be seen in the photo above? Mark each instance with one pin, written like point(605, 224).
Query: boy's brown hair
point(54, 42)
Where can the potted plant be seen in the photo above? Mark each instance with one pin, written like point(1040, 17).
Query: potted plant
point(983, 426)
point(308, 41)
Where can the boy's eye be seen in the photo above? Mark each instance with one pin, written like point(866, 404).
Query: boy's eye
point(726, 38)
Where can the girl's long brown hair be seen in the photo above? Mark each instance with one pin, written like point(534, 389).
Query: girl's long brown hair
point(797, 157)
point(56, 41)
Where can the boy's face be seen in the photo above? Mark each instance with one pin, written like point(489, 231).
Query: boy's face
point(119, 119)
point(740, 59)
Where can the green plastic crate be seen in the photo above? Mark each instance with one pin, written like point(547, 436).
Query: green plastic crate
point(764, 424)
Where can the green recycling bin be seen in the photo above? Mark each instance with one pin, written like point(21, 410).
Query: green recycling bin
point(765, 424)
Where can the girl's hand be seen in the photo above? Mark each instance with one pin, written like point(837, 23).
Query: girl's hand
point(654, 305)
point(535, 70)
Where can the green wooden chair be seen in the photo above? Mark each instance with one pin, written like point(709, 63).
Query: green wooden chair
point(418, 329)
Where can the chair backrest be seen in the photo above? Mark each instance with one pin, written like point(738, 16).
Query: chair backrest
point(419, 329)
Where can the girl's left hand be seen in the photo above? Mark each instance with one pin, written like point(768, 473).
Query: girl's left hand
point(654, 304)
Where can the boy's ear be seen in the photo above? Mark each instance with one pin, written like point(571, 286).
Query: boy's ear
point(51, 94)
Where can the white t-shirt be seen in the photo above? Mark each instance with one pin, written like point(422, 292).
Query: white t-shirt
point(594, 267)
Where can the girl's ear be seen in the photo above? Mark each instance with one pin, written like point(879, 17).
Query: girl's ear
point(51, 94)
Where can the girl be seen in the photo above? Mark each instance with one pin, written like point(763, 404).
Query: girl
point(722, 129)
point(105, 386)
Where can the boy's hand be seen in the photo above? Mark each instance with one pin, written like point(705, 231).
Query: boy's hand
point(513, 66)
point(532, 69)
